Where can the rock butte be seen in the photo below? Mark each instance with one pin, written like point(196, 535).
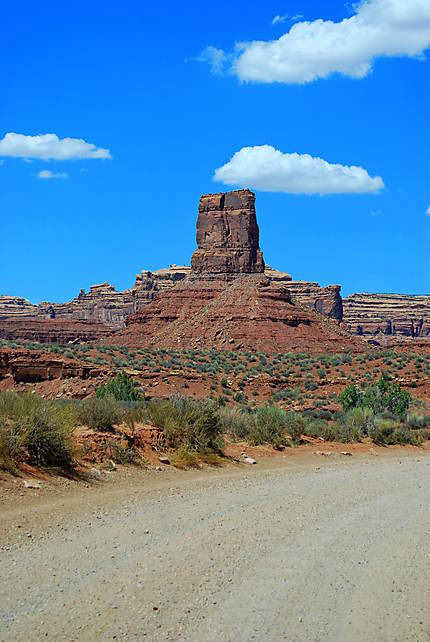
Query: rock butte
point(227, 246)
point(227, 235)
point(228, 302)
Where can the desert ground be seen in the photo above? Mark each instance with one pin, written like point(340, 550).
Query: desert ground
point(299, 547)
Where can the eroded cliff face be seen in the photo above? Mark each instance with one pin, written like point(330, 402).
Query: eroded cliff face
point(227, 235)
point(392, 315)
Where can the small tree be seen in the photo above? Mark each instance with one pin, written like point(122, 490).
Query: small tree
point(120, 388)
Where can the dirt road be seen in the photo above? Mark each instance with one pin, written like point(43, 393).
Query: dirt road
point(320, 549)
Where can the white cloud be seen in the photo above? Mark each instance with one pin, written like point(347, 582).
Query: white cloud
point(317, 49)
point(46, 174)
point(49, 147)
point(281, 19)
point(269, 170)
point(428, 211)
point(217, 59)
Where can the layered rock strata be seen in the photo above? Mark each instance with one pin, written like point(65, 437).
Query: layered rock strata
point(61, 331)
point(392, 315)
point(16, 306)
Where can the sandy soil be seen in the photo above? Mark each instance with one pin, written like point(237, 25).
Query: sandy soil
point(295, 548)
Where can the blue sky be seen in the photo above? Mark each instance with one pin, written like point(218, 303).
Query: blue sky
point(126, 78)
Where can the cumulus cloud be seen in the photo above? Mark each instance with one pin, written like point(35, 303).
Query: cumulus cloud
point(46, 174)
point(269, 170)
point(49, 147)
point(319, 48)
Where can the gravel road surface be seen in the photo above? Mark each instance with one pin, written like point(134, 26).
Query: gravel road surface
point(323, 549)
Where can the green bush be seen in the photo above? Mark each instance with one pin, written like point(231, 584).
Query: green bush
point(388, 432)
point(121, 388)
point(385, 396)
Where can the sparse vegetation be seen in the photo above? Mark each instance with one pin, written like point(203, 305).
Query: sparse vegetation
point(257, 398)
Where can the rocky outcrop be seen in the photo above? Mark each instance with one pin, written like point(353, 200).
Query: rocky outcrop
point(26, 366)
point(325, 300)
point(16, 306)
point(104, 304)
point(276, 275)
point(169, 277)
point(312, 296)
point(392, 315)
point(227, 235)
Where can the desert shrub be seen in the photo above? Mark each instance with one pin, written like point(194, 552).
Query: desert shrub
point(11, 446)
point(235, 422)
point(269, 427)
point(194, 425)
point(48, 435)
point(100, 414)
point(31, 427)
point(240, 397)
point(296, 425)
point(359, 420)
point(120, 388)
point(385, 396)
point(124, 454)
point(387, 432)
point(415, 421)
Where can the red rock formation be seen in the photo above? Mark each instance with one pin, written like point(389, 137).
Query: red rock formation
point(389, 315)
point(325, 300)
point(312, 296)
point(227, 235)
point(228, 248)
point(247, 313)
